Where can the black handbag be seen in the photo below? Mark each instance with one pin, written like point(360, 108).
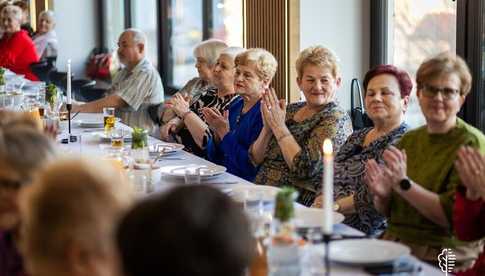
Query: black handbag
point(357, 113)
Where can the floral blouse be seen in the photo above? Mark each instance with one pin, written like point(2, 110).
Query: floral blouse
point(208, 98)
point(305, 175)
point(349, 173)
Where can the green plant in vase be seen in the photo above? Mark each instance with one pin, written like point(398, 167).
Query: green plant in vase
point(139, 138)
point(284, 212)
point(139, 145)
point(51, 95)
point(2, 81)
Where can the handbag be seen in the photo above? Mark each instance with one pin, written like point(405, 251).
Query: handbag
point(357, 113)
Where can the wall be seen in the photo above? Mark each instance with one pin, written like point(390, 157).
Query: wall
point(344, 27)
point(77, 33)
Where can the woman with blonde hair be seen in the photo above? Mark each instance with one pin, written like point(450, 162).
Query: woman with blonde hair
point(289, 146)
point(193, 130)
point(23, 150)
point(69, 218)
point(237, 128)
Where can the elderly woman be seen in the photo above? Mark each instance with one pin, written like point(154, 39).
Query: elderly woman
point(23, 150)
point(59, 238)
point(386, 95)
point(469, 209)
point(17, 51)
point(289, 146)
point(195, 133)
point(206, 54)
point(45, 39)
point(416, 186)
point(237, 129)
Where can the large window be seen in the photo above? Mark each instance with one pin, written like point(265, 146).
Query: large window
point(114, 22)
point(419, 30)
point(144, 17)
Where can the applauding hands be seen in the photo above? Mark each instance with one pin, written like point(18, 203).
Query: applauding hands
point(471, 169)
point(218, 122)
point(274, 114)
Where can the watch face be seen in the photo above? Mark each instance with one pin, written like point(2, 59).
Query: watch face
point(405, 184)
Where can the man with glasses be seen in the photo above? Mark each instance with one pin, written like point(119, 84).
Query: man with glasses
point(135, 87)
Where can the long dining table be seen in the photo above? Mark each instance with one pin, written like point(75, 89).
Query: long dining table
point(89, 144)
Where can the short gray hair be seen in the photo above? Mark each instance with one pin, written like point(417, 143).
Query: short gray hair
point(48, 14)
point(139, 37)
point(210, 50)
point(14, 11)
point(232, 51)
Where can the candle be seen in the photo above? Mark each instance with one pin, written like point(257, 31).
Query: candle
point(68, 92)
point(327, 187)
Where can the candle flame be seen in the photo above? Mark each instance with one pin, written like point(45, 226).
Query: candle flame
point(327, 146)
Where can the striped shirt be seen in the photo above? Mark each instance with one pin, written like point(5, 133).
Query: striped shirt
point(139, 88)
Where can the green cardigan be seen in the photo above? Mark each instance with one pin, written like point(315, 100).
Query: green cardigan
point(430, 163)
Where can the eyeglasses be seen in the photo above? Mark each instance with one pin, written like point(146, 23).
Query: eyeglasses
point(447, 93)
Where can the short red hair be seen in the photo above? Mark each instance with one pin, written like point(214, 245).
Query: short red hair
point(405, 82)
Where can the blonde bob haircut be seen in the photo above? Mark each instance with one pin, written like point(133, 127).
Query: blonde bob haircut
point(444, 64)
point(318, 56)
point(265, 62)
point(210, 50)
point(72, 202)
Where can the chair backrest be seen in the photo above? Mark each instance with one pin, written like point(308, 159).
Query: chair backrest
point(357, 113)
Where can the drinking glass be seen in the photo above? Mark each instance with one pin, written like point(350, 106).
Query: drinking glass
point(109, 119)
point(117, 138)
point(192, 176)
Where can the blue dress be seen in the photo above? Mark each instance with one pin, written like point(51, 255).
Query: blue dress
point(233, 151)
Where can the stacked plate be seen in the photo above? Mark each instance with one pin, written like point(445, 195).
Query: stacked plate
point(204, 170)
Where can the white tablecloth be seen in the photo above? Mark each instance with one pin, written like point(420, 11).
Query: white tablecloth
point(90, 145)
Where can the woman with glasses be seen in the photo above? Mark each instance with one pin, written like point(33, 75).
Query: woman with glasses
point(386, 96)
point(416, 186)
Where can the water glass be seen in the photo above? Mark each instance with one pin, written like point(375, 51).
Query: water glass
point(192, 176)
point(117, 138)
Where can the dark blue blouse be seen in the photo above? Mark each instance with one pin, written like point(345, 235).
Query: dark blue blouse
point(349, 173)
point(233, 151)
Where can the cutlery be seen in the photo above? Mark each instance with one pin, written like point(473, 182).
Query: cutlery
point(75, 114)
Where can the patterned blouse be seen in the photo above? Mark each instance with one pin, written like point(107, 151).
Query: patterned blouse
point(348, 177)
point(208, 98)
point(305, 175)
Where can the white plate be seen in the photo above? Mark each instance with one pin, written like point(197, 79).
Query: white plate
point(366, 251)
point(106, 138)
point(205, 170)
point(96, 123)
point(166, 147)
point(313, 217)
point(255, 192)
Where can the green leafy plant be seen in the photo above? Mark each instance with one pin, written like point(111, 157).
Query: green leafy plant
point(284, 209)
point(139, 138)
point(51, 94)
point(2, 76)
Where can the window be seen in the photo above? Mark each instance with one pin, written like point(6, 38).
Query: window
point(114, 24)
point(188, 22)
point(419, 30)
point(144, 17)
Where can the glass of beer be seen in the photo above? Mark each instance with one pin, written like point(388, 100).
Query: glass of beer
point(117, 138)
point(109, 119)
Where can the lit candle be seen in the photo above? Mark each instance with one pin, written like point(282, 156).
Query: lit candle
point(68, 92)
point(327, 187)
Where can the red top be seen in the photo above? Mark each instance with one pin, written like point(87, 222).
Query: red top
point(469, 225)
point(17, 52)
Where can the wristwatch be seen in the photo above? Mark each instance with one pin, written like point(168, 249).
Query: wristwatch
point(405, 184)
